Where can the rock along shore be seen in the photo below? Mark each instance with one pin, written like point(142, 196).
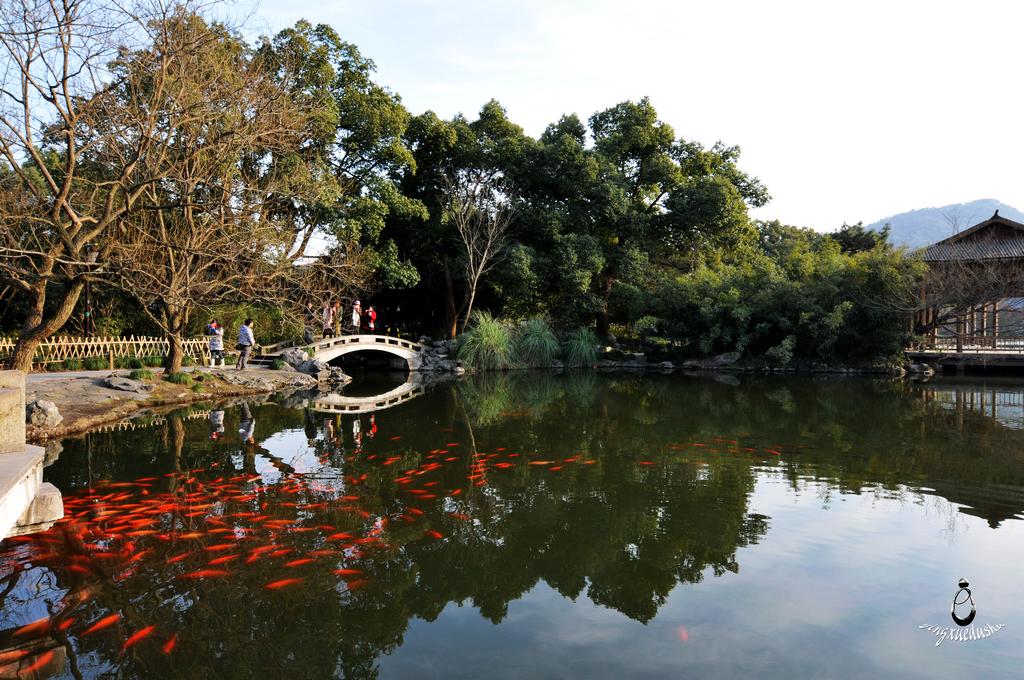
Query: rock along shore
point(84, 400)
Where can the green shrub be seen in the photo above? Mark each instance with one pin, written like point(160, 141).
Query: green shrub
point(230, 359)
point(141, 374)
point(153, 362)
point(580, 348)
point(781, 354)
point(197, 388)
point(72, 364)
point(310, 352)
point(179, 378)
point(536, 344)
point(486, 344)
point(96, 364)
point(188, 361)
point(135, 363)
point(277, 364)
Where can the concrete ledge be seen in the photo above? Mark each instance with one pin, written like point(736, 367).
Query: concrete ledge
point(12, 411)
point(21, 475)
point(47, 508)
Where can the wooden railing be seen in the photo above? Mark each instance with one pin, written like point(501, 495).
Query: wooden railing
point(60, 349)
point(973, 344)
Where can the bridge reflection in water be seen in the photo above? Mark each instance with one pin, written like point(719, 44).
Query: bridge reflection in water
point(353, 404)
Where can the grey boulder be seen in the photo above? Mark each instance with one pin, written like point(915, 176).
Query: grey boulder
point(42, 413)
point(312, 367)
point(294, 357)
point(127, 384)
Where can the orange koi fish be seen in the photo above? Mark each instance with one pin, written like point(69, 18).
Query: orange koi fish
point(434, 534)
point(299, 562)
point(105, 622)
point(222, 560)
point(220, 547)
point(170, 644)
point(13, 655)
point(134, 639)
point(205, 573)
point(348, 572)
point(39, 663)
point(40, 626)
point(283, 583)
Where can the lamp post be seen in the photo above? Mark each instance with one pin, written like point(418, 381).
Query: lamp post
point(91, 253)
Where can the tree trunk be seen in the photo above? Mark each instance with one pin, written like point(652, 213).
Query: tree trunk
point(177, 320)
point(451, 310)
point(469, 305)
point(38, 328)
point(602, 314)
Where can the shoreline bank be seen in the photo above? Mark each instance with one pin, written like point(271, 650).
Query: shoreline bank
point(85, 401)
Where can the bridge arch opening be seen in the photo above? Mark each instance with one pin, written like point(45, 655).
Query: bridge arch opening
point(370, 361)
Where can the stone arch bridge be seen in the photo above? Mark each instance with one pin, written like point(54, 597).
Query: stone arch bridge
point(328, 349)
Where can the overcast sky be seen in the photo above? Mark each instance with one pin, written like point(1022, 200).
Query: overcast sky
point(847, 112)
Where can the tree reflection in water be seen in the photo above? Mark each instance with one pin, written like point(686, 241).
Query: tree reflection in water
point(637, 484)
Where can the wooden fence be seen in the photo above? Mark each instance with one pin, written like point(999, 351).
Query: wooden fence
point(972, 344)
point(59, 349)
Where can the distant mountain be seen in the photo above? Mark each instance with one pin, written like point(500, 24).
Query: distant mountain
point(921, 227)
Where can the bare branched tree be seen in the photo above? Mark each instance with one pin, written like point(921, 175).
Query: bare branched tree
point(54, 100)
point(952, 290)
point(482, 216)
point(207, 232)
point(957, 219)
point(85, 137)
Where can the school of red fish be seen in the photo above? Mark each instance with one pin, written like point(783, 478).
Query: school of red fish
point(200, 527)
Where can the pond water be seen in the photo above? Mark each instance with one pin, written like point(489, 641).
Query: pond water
point(540, 525)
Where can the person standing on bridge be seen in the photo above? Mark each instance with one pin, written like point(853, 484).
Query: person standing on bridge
point(372, 314)
point(357, 317)
point(246, 340)
point(327, 319)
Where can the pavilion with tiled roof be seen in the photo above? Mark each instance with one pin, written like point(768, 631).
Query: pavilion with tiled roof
point(996, 238)
point(987, 262)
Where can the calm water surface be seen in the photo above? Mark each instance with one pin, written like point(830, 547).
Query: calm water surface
point(542, 526)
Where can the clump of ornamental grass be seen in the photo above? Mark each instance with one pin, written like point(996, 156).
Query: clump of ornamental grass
point(179, 378)
point(96, 364)
point(486, 344)
point(580, 348)
point(141, 374)
point(536, 344)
